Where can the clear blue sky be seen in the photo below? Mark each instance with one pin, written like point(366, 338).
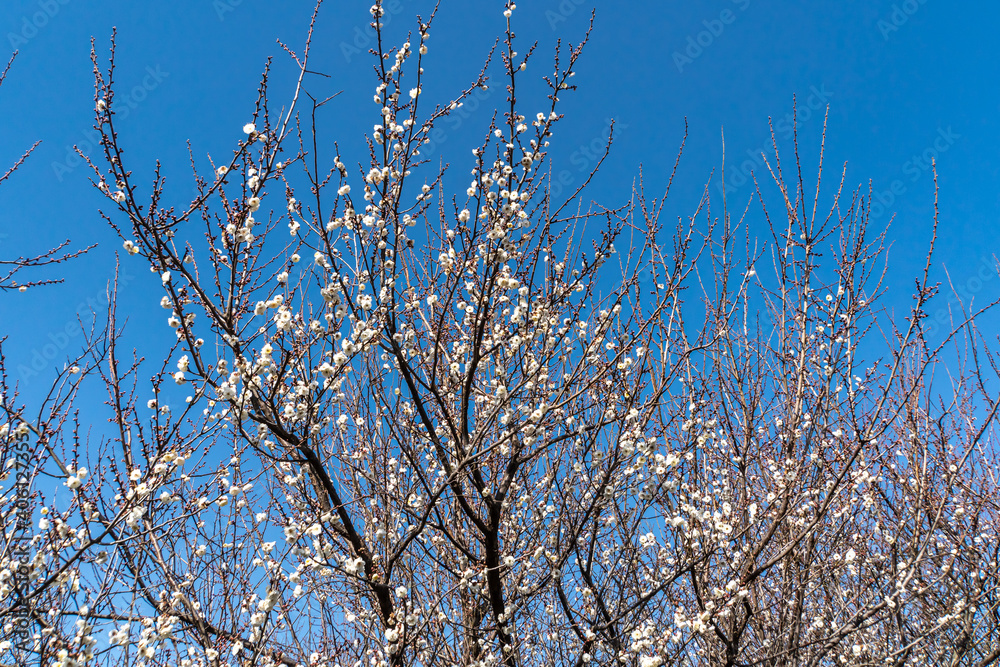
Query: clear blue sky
point(903, 79)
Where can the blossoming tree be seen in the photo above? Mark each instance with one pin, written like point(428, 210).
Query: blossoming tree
point(11, 267)
point(401, 426)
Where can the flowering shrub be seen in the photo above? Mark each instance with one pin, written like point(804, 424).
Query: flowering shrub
point(400, 428)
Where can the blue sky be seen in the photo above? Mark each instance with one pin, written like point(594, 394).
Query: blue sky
point(904, 80)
